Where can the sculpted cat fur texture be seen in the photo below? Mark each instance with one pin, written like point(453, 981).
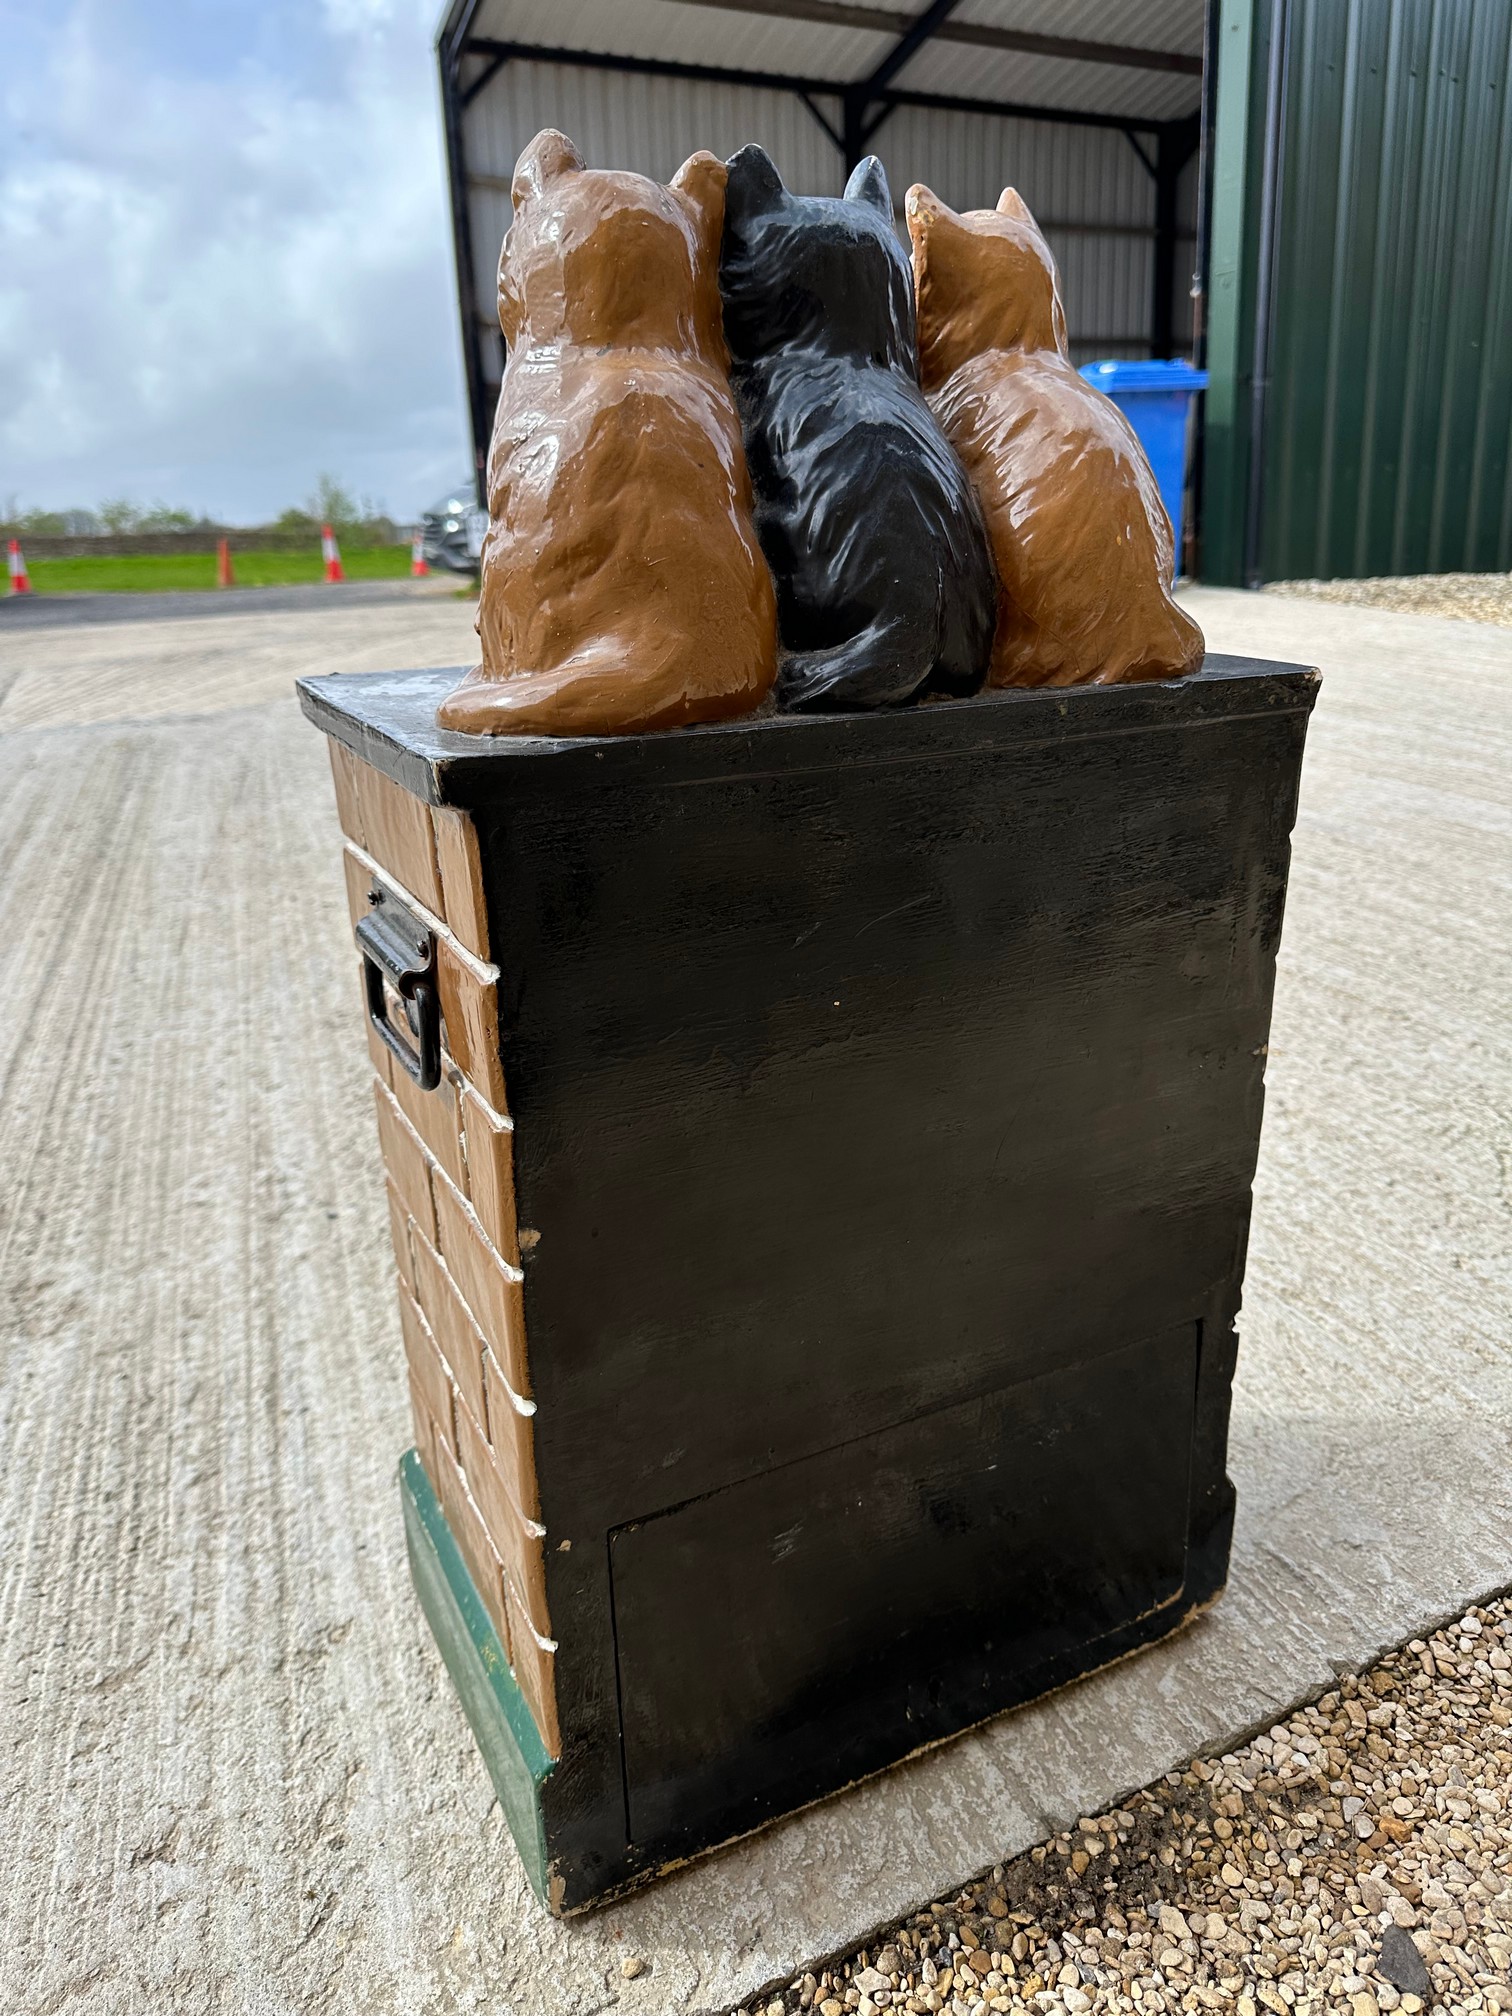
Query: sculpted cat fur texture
point(623, 585)
point(1080, 537)
point(884, 579)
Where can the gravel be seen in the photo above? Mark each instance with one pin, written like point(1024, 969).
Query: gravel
point(1473, 598)
point(1356, 1858)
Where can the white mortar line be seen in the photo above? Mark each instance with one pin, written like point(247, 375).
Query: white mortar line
point(509, 1271)
point(546, 1644)
point(478, 967)
point(500, 1122)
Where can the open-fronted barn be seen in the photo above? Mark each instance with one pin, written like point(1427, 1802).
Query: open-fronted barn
point(1313, 197)
point(1090, 109)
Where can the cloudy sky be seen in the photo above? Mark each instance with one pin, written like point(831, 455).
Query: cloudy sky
point(225, 260)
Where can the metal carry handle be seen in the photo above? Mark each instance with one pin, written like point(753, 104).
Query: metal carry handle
point(397, 947)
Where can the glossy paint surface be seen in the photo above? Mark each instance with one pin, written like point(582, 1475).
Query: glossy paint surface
point(623, 587)
point(1080, 538)
point(884, 579)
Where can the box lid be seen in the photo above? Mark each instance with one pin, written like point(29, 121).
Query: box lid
point(389, 720)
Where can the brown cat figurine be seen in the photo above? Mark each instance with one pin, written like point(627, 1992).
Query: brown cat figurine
point(1081, 539)
point(623, 586)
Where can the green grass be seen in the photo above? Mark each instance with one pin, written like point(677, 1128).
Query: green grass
point(158, 571)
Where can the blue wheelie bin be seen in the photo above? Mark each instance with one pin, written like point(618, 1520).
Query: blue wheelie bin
point(1155, 395)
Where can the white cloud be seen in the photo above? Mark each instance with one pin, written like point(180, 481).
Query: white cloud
point(224, 269)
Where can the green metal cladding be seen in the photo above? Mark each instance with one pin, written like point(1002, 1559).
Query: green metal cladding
point(1387, 419)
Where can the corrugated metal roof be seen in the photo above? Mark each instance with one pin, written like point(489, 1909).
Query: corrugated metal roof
point(956, 68)
point(749, 35)
point(1146, 24)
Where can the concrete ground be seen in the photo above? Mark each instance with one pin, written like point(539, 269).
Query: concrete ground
point(235, 1775)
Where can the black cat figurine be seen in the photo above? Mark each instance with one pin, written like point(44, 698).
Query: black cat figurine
point(885, 583)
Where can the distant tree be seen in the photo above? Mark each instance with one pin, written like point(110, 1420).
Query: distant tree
point(115, 515)
point(41, 524)
point(162, 517)
point(333, 504)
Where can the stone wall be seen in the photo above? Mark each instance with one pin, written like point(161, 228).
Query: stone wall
point(202, 539)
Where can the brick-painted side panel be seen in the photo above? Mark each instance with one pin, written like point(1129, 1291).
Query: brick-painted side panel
point(461, 877)
point(511, 1435)
point(489, 1292)
point(404, 1158)
point(470, 1010)
point(448, 1155)
point(534, 1668)
point(344, 769)
point(427, 1368)
point(518, 1541)
point(437, 1118)
point(490, 1178)
point(458, 1338)
point(396, 831)
point(404, 1259)
point(483, 1564)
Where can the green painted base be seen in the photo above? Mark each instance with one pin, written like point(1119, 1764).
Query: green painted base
point(517, 1759)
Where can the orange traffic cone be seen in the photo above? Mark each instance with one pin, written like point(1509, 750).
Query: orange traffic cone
point(19, 583)
point(418, 562)
point(331, 553)
point(225, 576)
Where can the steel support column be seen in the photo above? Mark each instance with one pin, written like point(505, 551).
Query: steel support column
point(1174, 146)
point(450, 49)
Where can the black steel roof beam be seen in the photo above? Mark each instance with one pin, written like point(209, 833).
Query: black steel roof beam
point(491, 68)
point(860, 123)
point(654, 66)
point(818, 87)
point(453, 31)
point(1132, 137)
point(982, 35)
point(1184, 136)
point(832, 131)
point(1003, 108)
point(920, 29)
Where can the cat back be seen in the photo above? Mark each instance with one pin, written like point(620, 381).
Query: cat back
point(623, 587)
point(882, 568)
point(1080, 537)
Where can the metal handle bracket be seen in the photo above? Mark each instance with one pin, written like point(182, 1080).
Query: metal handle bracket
point(397, 948)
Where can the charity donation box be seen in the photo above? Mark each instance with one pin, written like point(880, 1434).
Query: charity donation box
point(818, 1152)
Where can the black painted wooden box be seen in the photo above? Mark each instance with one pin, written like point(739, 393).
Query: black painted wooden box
point(886, 1094)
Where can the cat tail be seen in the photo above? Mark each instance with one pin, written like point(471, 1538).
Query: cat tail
point(883, 665)
point(965, 620)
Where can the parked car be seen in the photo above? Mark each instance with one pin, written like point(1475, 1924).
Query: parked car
point(453, 532)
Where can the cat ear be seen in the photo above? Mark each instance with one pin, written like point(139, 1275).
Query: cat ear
point(1011, 204)
point(550, 154)
point(921, 201)
point(868, 184)
point(924, 210)
point(701, 183)
point(752, 183)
